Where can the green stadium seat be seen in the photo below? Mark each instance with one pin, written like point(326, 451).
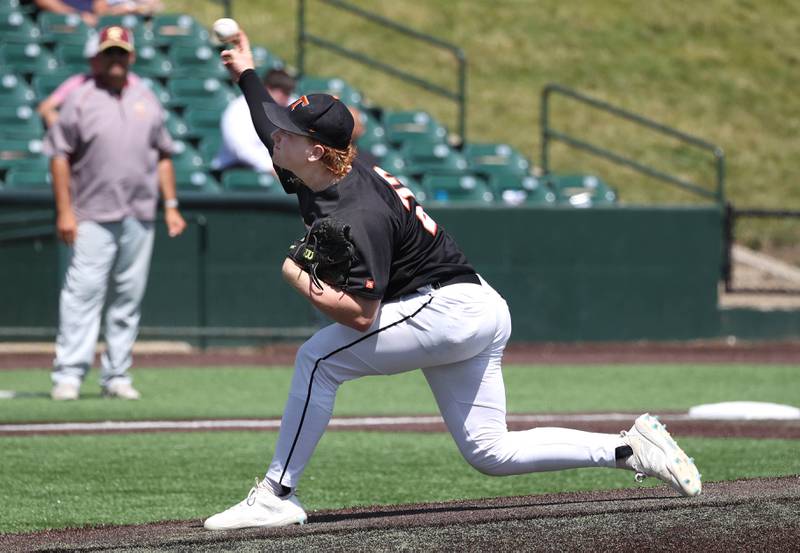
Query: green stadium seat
point(14, 90)
point(246, 180)
point(521, 189)
point(198, 62)
point(71, 54)
point(129, 21)
point(144, 36)
point(168, 28)
point(158, 89)
point(195, 180)
point(36, 164)
point(176, 126)
point(63, 28)
point(209, 146)
point(185, 158)
point(415, 186)
point(374, 134)
point(44, 85)
point(151, 63)
point(495, 159)
point(15, 26)
point(202, 122)
point(20, 178)
point(29, 58)
point(404, 126)
point(208, 93)
point(14, 151)
point(394, 163)
point(581, 190)
point(422, 156)
point(8, 6)
point(330, 85)
point(20, 122)
point(457, 187)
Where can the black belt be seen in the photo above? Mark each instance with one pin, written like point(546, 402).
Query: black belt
point(458, 279)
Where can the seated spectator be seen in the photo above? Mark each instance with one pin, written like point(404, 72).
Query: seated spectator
point(241, 146)
point(48, 108)
point(362, 154)
point(138, 7)
point(90, 10)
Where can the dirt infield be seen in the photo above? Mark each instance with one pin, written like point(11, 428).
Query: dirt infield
point(745, 515)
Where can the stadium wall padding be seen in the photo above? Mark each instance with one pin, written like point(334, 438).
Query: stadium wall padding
point(600, 274)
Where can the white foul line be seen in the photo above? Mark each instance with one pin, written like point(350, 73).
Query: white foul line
point(266, 424)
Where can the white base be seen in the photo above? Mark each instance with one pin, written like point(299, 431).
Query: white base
point(744, 410)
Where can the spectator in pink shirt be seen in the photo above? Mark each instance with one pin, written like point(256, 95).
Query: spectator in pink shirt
point(48, 108)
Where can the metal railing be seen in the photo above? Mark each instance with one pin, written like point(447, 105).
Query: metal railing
point(459, 96)
point(732, 216)
point(550, 134)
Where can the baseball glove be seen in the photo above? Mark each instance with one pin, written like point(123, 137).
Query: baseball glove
point(326, 252)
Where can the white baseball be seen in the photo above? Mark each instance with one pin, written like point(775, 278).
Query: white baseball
point(225, 29)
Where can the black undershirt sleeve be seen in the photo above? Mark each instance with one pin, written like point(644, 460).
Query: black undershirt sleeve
point(255, 94)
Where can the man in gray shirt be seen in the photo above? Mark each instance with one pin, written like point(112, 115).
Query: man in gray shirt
point(110, 155)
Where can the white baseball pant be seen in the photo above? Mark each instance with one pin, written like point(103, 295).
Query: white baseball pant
point(456, 334)
point(108, 261)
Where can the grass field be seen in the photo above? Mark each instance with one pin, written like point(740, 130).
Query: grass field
point(61, 481)
point(724, 70)
point(261, 392)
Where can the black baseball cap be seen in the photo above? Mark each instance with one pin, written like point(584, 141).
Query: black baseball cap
point(319, 116)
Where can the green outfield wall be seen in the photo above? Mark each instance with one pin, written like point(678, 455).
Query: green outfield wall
point(568, 274)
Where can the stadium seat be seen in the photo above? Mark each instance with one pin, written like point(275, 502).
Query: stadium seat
point(20, 178)
point(170, 28)
point(176, 126)
point(144, 36)
point(16, 150)
point(201, 122)
point(423, 156)
point(246, 180)
point(521, 189)
point(403, 126)
point(129, 21)
point(186, 158)
point(151, 63)
point(414, 185)
point(29, 58)
point(374, 133)
point(394, 163)
point(14, 90)
point(209, 93)
point(209, 146)
point(495, 159)
point(15, 26)
point(160, 92)
point(20, 122)
point(456, 187)
point(63, 28)
point(197, 61)
point(581, 190)
point(44, 85)
point(71, 54)
point(195, 180)
point(330, 85)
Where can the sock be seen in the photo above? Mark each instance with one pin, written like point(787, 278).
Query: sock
point(278, 489)
point(623, 451)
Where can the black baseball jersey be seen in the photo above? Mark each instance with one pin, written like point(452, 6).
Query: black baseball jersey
point(399, 247)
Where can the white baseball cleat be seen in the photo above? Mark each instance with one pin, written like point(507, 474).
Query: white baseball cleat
point(65, 391)
point(655, 453)
point(121, 390)
point(260, 509)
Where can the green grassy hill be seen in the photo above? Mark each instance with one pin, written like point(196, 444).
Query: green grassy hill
point(724, 70)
